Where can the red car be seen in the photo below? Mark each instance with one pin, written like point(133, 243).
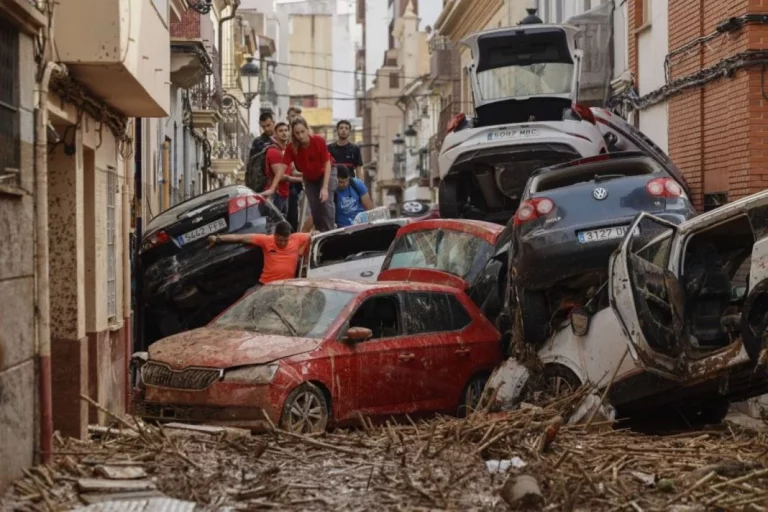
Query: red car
point(306, 354)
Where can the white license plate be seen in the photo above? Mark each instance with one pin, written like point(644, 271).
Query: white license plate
point(513, 133)
point(202, 231)
point(598, 235)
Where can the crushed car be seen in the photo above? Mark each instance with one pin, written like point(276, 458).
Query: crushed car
point(467, 254)
point(186, 284)
point(525, 86)
point(571, 217)
point(352, 252)
point(309, 354)
point(669, 331)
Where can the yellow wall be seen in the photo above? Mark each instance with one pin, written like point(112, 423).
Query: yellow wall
point(310, 48)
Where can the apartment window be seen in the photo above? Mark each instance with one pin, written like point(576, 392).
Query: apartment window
point(111, 255)
point(304, 101)
point(646, 12)
point(394, 80)
point(9, 105)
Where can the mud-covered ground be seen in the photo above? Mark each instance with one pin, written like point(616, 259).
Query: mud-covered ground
point(435, 465)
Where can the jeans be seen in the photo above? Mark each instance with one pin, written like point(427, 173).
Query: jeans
point(294, 198)
point(281, 203)
point(323, 214)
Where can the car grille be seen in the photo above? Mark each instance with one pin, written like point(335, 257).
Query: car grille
point(154, 374)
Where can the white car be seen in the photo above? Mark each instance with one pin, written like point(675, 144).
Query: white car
point(525, 85)
point(673, 325)
point(353, 252)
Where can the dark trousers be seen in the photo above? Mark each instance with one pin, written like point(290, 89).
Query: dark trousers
point(294, 198)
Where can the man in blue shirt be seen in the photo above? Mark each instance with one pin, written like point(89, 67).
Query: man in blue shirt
point(351, 197)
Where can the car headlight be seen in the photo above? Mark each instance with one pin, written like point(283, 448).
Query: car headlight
point(260, 374)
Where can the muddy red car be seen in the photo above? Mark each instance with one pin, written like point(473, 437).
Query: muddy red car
point(311, 354)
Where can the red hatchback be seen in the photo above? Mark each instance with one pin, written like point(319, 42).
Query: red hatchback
point(309, 354)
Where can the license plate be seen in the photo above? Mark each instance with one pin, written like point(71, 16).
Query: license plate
point(598, 235)
point(202, 231)
point(513, 134)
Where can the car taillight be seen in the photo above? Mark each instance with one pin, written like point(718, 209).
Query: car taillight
point(156, 239)
point(584, 113)
point(664, 187)
point(455, 122)
point(533, 209)
point(240, 203)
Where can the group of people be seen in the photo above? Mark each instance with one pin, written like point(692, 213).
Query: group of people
point(298, 161)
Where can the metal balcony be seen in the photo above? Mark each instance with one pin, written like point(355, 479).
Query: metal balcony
point(191, 49)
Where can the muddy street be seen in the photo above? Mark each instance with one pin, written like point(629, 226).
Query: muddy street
point(487, 461)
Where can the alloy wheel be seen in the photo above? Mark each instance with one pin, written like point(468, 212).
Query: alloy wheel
point(307, 413)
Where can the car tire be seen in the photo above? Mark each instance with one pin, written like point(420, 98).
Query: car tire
point(534, 316)
point(306, 410)
point(472, 394)
point(450, 208)
point(712, 412)
point(561, 379)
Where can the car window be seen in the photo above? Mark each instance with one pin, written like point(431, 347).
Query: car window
point(455, 252)
point(353, 244)
point(434, 312)
point(380, 314)
point(284, 310)
point(596, 172)
point(172, 214)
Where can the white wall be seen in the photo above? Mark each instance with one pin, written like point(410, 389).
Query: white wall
point(376, 37)
point(652, 47)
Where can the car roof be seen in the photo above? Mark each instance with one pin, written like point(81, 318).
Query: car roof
point(486, 230)
point(348, 285)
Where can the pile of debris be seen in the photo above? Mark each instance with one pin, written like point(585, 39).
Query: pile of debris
point(529, 457)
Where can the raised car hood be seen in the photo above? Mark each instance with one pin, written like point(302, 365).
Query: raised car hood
point(220, 348)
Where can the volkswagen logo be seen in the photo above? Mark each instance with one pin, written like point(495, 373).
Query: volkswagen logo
point(600, 193)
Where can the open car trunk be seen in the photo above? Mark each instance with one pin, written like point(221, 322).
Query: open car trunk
point(352, 253)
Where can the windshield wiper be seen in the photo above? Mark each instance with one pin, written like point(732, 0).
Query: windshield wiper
point(288, 324)
point(599, 178)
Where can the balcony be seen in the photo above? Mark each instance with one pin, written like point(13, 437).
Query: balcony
point(191, 47)
point(119, 50)
point(205, 98)
point(444, 60)
point(26, 14)
point(230, 152)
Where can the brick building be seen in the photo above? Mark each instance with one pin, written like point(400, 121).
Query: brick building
point(717, 126)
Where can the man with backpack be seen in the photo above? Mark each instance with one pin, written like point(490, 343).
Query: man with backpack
point(255, 175)
point(345, 152)
point(277, 179)
point(351, 197)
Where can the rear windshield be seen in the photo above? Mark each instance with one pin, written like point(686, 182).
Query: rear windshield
point(597, 172)
point(172, 214)
point(354, 245)
point(455, 252)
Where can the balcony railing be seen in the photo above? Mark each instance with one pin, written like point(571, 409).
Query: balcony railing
point(444, 62)
point(234, 139)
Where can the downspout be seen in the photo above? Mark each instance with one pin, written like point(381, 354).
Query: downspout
point(221, 39)
point(42, 250)
point(127, 326)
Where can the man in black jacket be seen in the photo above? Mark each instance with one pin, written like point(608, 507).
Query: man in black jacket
point(267, 124)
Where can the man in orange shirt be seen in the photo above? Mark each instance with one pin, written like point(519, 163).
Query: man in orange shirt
point(281, 250)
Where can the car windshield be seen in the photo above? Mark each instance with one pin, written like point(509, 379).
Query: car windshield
point(541, 78)
point(284, 310)
point(450, 251)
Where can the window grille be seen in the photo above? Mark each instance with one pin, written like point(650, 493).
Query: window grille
point(9, 105)
point(111, 256)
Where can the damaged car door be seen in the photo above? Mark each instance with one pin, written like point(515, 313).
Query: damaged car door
point(671, 288)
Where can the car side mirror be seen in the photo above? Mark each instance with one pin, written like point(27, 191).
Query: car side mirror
point(579, 321)
point(357, 335)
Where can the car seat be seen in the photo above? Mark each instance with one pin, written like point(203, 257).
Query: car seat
point(708, 291)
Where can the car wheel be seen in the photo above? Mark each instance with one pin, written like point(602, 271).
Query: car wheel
point(534, 316)
point(450, 207)
point(709, 413)
point(473, 393)
point(305, 411)
point(554, 381)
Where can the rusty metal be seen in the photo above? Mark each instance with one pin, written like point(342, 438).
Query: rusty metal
point(162, 375)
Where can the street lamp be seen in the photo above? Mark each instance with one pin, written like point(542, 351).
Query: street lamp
point(201, 6)
point(250, 74)
point(410, 137)
point(399, 144)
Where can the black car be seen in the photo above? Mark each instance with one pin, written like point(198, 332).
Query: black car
point(571, 217)
point(186, 284)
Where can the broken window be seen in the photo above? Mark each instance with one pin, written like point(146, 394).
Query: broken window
point(294, 311)
point(434, 313)
point(380, 314)
point(9, 105)
point(354, 245)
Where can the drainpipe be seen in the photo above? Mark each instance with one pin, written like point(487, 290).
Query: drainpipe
point(127, 326)
point(43, 296)
point(221, 39)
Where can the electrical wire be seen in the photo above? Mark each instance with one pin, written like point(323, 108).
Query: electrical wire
point(320, 68)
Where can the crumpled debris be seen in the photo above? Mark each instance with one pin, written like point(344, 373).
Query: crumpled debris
point(501, 466)
point(507, 383)
point(593, 408)
point(148, 505)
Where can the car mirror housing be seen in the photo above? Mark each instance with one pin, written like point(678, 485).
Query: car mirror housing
point(579, 321)
point(357, 334)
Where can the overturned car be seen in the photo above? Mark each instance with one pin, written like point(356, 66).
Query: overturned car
point(525, 84)
point(673, 328)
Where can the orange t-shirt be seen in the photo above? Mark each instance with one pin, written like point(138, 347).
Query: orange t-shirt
point(280, 263)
